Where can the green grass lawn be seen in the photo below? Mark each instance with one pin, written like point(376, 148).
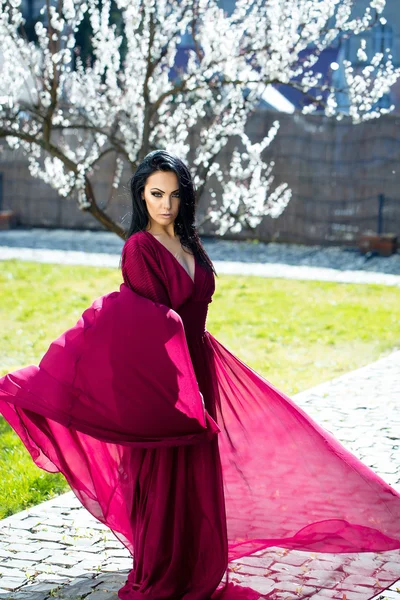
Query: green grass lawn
point(295, 333)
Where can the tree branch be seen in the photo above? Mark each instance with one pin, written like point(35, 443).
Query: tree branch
point(99, 214)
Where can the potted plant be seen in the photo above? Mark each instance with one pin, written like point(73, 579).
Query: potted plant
point(383, 244)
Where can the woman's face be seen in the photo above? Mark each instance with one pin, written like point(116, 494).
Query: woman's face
point(161, 194)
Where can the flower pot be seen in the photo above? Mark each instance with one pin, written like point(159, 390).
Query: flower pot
point(7, 219)
point(383, 244)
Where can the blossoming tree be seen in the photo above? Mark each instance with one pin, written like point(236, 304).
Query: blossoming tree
point(67, 115)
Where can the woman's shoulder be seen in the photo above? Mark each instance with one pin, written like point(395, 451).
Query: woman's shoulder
point(138, 241)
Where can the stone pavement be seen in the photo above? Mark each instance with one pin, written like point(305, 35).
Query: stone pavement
point(58, 550)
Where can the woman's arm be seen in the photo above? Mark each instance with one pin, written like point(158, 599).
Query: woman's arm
point(141, 271)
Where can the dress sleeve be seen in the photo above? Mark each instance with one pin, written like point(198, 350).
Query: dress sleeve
point(141, 271)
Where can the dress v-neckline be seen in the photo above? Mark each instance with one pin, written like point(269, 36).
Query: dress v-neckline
point(174, 257)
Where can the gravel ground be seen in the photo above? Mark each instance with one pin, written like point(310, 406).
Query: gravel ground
point(333, 257)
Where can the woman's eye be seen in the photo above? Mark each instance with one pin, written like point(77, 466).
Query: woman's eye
point(157, 194)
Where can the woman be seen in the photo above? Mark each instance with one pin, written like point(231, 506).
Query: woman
point(189, 456)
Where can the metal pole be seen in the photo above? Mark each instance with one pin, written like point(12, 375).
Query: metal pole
point(381, 199)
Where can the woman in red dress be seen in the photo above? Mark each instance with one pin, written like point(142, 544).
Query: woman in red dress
point(189, 456)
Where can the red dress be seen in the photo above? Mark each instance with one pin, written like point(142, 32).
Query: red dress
point(192, 458)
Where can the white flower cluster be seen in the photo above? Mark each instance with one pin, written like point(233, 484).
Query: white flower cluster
point(66, 114)
point(246, 197)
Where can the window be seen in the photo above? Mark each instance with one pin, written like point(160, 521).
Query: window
point(382, 41)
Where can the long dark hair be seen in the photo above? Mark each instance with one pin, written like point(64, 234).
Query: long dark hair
point(161, 160)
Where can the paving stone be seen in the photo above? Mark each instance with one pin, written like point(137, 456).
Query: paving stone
point(53, 521)
point(102, 596)
point(112, 544)
point(67, 500)
point(79, 542)
point(9, 583)
point(295, 560)
point(260, 584)
point(14, 563)
point(253, 561)
point(53, 545)
point(97, 526)
point(124, 553)
point(82, 555)
point(117, 566)
point(33, 556)
point(42, 587)
point(112, 585)
point(95, 549)
point(8, 572)
point(91, 564)
point(247, 570)
point(294, 571)
point(48, 536)
point(76, 588)
point(73, 572)
point(44, 527)
point(390, 595)
point(73, 594)
point(26, 523)
point(13, 533)
point(60, 559)
point(45, 568)
point(348, 582)
point(51, 578)
point(26, 595)
point(42, 513)
point(296, 588)
point(34, 546)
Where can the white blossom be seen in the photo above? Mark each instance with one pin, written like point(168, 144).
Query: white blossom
point(65, 119)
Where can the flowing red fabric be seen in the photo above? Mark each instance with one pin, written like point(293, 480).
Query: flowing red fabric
point(198, 464)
